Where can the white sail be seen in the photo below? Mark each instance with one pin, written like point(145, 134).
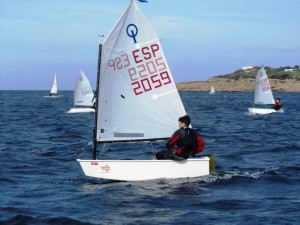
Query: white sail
point(263, 93)
point(138, 98)
point(212, 90)
point(54, 86)
point(83, 93)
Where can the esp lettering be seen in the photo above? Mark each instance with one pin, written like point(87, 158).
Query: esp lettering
point(145, 53)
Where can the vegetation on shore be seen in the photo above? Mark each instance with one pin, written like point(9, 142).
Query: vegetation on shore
point(281, 73)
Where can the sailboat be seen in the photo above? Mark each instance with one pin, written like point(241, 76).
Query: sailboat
point(83, 95)
point(212, 90)
point(263, 95)
point(136, 100)
point(53, 90)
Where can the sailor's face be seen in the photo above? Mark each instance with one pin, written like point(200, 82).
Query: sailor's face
point(180, 124)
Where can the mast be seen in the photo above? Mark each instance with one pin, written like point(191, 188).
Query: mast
point(96, 104)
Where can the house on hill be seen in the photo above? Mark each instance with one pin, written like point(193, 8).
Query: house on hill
point(289, 70)
point(247, 67)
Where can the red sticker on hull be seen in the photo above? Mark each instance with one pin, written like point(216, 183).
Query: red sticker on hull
point(105, 168)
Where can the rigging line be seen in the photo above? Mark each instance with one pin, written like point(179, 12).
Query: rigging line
point(152, 147)
point(102, 148)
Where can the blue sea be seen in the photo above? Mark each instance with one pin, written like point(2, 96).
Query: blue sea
point(256, 181)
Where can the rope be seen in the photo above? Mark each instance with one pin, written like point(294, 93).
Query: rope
point(152, 147)
point(102, 148)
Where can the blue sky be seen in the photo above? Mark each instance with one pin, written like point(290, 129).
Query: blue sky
point(200, 38)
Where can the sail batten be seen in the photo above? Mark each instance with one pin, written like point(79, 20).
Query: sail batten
point(138, 98)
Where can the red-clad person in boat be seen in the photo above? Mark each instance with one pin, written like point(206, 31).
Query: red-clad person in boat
point(183, 143)
point(277, 104)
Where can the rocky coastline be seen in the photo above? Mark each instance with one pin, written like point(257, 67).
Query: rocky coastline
point(239, 85)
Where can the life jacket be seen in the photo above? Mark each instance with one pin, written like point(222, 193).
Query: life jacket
point(192, 141)
point(200, 145)
point(189, 139)
point(277, 105)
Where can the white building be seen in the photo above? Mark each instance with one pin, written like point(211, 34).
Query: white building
point(247, 67)
point(289, 70)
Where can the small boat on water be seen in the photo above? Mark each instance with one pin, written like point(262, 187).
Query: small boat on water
point(263, 95)
point(212, 90)
point(53, 91)
point(136, 101)
point(83, 95)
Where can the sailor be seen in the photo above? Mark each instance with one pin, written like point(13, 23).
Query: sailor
point(277, 104)
point(187, 141)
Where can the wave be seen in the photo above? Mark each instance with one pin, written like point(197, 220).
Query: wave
point(29, 220)
point(232, 176)
point(284, 175)
point(4, 181)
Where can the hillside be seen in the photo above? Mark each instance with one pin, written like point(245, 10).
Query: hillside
point(281, 73)
point(283, 79)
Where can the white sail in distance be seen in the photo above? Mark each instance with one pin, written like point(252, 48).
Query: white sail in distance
point(263, 93)
point(83, 93)
point(54, 86)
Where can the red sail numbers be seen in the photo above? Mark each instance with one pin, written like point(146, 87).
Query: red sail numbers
point(147, 71)
point(265, 84)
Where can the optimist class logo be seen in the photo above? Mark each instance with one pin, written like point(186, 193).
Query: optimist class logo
point(261, 74)
point(132, 31)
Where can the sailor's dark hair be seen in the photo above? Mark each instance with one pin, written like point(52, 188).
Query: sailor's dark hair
point(278, 99)
point(185, 119)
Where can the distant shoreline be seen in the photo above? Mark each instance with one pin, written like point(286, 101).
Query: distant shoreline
point(226, 85)
point(239, 85)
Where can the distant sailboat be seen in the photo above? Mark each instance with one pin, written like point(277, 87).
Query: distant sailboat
point(263, 95)
point(212, 90)
point(136, 100)
point(83, 95)
point(53, 91)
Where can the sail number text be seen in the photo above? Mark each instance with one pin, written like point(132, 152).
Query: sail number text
point(265, 85)
point(86, 91)
point(147, 72)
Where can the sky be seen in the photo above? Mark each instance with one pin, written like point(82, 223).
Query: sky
point(200, 38)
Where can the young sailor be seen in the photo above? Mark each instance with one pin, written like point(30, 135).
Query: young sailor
point(277, 104)
point(187, 141)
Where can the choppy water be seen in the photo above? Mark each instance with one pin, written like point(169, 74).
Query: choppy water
point(257, 179)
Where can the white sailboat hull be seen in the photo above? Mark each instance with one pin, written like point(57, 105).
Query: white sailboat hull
point(139, 170)
point(81, 110)
point(262, 111)
point(52, 96)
